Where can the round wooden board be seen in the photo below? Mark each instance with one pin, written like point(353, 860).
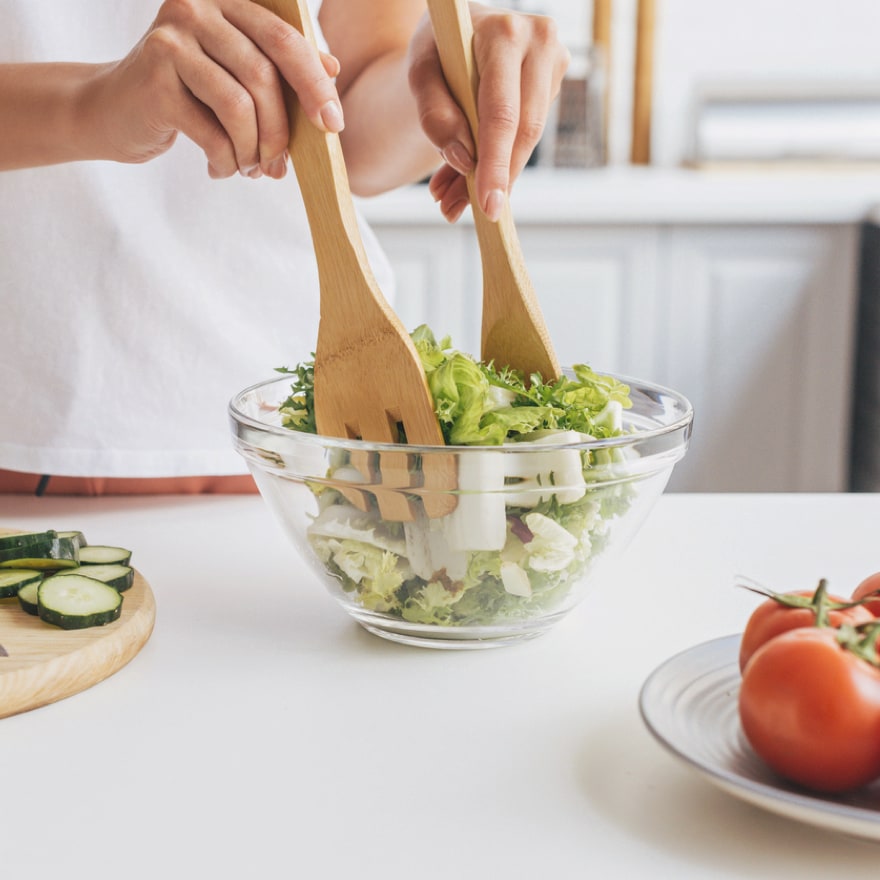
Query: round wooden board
point(41, 664)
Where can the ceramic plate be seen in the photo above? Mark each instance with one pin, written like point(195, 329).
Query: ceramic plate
point(689, 703)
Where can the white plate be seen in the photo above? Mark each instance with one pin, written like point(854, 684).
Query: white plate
point(689, 703)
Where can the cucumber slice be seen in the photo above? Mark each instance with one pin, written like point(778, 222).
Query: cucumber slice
point(28, 597)
point(11, 581)
point(27, 544)
point(48, 565)
point(120, 577)
point(57, 553)
point(99, 554)
point(76, 536)
point(40, 564)
point(77, 602)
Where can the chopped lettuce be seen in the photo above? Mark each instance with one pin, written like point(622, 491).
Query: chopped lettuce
point(526, 527)
point(479, 405)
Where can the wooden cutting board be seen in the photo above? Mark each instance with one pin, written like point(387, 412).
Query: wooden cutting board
point(41, 664)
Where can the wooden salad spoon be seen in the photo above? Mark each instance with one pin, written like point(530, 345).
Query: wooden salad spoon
point(369, 378)
point(514, 333)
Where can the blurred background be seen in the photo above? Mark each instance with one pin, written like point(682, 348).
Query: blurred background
point(704, 212)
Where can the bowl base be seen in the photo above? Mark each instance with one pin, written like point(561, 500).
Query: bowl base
point(467, 638)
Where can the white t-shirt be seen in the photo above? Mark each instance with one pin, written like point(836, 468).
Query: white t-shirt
point(137, 299)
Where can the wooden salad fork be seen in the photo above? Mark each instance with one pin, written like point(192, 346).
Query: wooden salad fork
point(514, 333)
point(369, 379)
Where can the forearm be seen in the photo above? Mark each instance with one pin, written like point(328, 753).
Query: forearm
point(384, 144)
point(44, 118)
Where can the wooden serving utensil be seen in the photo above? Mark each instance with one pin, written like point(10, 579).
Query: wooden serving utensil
point(368, 375)
point(513, 331)
point(640, 151)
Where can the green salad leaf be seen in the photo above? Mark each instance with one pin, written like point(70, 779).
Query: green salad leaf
point(508, 551)
point(479, 405)
point(298, 411)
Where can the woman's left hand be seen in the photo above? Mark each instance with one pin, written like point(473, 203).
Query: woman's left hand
point(521, 63)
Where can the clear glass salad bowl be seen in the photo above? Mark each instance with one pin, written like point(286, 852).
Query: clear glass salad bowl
point(461, 546)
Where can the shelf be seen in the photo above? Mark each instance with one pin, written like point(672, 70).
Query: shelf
point(626, 195)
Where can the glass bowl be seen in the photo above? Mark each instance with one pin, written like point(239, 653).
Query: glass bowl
point(460, 546)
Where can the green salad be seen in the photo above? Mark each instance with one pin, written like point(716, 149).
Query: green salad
point(525, 527)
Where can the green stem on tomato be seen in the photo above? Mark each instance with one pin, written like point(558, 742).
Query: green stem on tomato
point(821, 604)
point(819, 601)
point(861, 640)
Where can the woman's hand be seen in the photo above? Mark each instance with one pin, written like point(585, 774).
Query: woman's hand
point(213, 69)
point(210, 69)
point(521, 63)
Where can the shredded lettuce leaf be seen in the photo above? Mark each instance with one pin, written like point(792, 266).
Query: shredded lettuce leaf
point(415, 571)
point(479, 405)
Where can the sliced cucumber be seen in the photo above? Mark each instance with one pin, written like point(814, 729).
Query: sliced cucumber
point(120, 577)
point(40, 564)
point(77, 602)
point(27, 544)
point(99, 554)
point(12, 580)
point(28, 596)
point(75, 535)
point(61, 553)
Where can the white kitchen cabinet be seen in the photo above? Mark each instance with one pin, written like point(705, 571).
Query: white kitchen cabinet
point(599, 290)
point(746, 307)
point(432, 279)
point(756, 329)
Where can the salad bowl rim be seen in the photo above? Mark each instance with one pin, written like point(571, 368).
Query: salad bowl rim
point(642, 386)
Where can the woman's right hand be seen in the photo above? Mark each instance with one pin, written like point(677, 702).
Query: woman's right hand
point(210, 69)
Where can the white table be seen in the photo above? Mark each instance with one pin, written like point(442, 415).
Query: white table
point(262, 734)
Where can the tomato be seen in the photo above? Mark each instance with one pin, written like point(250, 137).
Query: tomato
point(775, 616)
point(810, 708)
point(870, 584)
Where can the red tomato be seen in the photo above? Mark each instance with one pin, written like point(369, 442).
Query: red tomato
point(810, 708)
point(773, 617)
point(870, 584)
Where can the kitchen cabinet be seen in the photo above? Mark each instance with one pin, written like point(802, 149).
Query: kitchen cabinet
point(739, 292)
point(756, 329)
point(435, 278)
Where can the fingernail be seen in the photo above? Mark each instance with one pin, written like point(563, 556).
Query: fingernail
point(494, 204)
point(277, 168)
point(455, 211)
point(457, 156)
point(331, 116)
point(252, 171)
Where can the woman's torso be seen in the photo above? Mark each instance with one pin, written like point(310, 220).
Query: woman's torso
point(138, 299)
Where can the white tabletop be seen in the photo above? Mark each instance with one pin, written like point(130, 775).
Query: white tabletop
point(261, 734)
